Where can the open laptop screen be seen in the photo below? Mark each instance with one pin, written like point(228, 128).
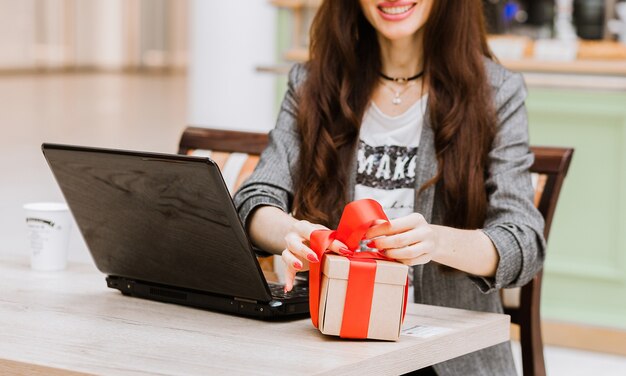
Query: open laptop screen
point(159, 218)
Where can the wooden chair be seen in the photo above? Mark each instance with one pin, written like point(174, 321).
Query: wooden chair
point(195, 138)
point(550, 168)
point(236, 153)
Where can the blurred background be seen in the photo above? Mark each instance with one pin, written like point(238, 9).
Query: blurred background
point(134, 73)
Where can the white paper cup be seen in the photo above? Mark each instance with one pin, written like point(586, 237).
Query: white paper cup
point(48, 229)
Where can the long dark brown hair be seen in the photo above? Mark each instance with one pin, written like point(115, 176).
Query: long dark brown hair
point(343, 72)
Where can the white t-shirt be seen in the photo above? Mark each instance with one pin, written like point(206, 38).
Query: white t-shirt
point(387, 159)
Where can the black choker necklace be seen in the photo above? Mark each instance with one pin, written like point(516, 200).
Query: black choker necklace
point(401, 80)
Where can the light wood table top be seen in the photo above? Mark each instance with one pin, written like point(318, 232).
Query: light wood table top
point(71, 321)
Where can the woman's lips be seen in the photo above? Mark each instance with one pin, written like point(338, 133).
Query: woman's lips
point(396, 11)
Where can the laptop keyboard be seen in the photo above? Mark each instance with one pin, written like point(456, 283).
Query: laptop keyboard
point(298, 291)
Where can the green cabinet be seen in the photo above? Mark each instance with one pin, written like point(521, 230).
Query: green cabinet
point(585, 270)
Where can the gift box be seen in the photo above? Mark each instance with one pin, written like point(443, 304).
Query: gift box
point(359, 296)
point(377, 316)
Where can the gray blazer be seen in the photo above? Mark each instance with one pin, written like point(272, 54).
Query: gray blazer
point(513, 223)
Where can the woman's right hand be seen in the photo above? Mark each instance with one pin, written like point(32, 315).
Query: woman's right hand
point(297, 254)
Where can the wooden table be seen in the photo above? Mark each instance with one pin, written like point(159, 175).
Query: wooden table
point(71, 321)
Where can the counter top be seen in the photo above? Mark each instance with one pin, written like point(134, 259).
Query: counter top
point(575, 81)
point(589, 67)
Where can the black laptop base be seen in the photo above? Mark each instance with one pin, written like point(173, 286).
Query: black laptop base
point(273, 310)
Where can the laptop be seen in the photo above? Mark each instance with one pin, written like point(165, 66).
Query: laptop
point(164, 227)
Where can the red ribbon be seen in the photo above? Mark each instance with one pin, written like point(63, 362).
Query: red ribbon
point(358, 216)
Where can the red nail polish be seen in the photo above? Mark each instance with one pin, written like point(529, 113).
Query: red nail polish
point(371, 244)
point(346, 251)
point(312, 257)
point(297, 265)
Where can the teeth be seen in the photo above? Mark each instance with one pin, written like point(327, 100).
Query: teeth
point(396, 10)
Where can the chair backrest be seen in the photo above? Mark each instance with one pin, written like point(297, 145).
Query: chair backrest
point(549, 170)
point(236, 153)
point(222, 140)
point(553, 164)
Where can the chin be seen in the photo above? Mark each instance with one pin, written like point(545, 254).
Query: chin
point(399, 32)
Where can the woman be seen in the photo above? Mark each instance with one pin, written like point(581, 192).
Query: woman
point(402, 102)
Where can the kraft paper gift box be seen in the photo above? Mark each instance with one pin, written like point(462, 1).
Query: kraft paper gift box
point(386, 311)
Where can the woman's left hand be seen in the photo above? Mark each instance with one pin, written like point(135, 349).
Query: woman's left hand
point(410, 240)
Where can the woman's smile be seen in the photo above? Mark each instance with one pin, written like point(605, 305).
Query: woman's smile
point(396, 19)
point(396, 11)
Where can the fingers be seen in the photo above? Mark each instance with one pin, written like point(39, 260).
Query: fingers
point(297, 255)
point(395, 226)
point(423, 259)
point(403, 239)
point(408, 254)
point(295, 244)
point(292, 265)
point(340, 248)
point(290, 277)
point(409, 240)
point(304, 230)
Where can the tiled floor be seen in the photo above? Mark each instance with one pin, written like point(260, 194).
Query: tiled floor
point(569, 362)
point(146, 112)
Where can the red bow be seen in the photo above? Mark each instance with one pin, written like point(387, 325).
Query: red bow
point(357, 218)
